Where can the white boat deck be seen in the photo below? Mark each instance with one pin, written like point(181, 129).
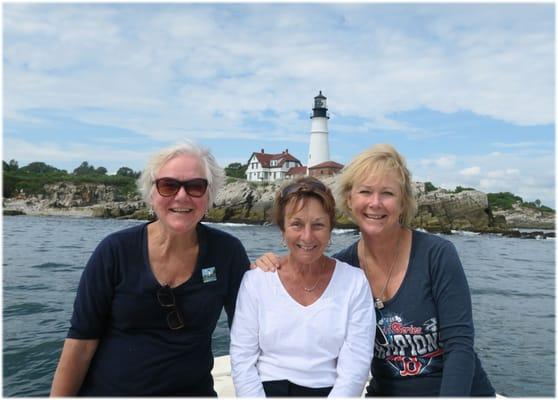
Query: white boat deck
point(223, 380)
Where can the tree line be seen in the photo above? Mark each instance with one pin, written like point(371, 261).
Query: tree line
point(31, 178)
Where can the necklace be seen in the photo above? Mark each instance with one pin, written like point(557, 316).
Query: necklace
point(378, 303)
point(311, 289)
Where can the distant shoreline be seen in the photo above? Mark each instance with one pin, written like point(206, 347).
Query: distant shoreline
point(87, 212)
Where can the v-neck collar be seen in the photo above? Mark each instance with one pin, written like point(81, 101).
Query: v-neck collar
point(320, 299)
point(202, 254)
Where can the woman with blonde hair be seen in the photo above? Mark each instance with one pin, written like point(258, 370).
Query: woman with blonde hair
point(424, 333)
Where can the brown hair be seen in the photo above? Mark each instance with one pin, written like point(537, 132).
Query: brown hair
point(378, 160)
point(302, 189)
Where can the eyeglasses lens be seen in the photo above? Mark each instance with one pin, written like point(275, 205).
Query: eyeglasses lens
point(169, 187)
point(196, 187)
point(174, 320)
point(165, 296)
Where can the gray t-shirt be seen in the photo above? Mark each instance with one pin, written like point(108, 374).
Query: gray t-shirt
point(428, 325)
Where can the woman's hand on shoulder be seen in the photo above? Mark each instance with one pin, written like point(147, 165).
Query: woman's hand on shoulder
point(269, 262)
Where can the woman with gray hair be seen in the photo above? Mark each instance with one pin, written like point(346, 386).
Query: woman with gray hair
point(150, 296)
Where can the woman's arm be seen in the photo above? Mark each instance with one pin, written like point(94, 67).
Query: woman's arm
point(72, 367)
point(245, 348)
point(89, 319)
point(456, 330)
point(353, 363)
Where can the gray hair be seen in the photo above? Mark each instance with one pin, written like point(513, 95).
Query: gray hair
point(214, 174)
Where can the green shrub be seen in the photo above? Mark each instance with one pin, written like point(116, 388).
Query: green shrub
point(503, 200)
point(429, 187)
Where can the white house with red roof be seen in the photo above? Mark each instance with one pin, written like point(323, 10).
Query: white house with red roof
point(266, 167)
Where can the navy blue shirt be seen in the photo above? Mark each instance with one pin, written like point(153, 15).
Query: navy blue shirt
point(428, 325)
point(138, 355)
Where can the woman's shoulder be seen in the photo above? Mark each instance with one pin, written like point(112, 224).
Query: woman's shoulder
point(258, 279)
point(348, 271)
point(126, 235)
point(348, 255)
point(427, 240)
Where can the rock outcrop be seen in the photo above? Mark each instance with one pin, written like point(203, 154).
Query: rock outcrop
point(443, 211)
point(85, 200)
point(525, 217)
point(242, 201)
point(438, 211)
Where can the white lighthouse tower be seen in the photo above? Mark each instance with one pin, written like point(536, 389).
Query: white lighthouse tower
point(319, 140)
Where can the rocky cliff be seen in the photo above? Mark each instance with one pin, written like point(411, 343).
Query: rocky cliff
point(241, 201)
point(86, 200)
point(439, 211)
point(524, 217)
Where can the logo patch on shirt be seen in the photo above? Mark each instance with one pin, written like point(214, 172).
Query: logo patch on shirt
point(209, 274)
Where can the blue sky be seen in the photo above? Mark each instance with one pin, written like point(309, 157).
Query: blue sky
point(465, 91)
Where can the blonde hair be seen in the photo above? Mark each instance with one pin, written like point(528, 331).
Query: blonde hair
point(378, 160)
point(213, 172)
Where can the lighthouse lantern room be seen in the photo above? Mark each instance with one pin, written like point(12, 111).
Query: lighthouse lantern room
point(319, 141)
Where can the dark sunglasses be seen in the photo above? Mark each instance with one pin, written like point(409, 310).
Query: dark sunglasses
point(309, 186)
point(169, 187)
point(166, 299)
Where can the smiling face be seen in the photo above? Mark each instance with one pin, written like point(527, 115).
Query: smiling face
point(307, 229)
point(375, 203)
point(180, 213)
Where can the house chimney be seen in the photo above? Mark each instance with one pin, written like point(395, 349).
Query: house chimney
point(287, 151)
point(262, 150)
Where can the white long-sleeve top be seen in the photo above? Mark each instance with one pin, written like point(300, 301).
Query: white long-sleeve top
point(328, 343)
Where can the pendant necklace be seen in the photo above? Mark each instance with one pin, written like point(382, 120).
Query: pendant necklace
point(311, 289)
point(378, 303)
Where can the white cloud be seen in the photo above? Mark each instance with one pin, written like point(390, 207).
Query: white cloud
point(255, 56)
point(534, 180)
point(443, 161)
point(248, 71)
point(472, 171)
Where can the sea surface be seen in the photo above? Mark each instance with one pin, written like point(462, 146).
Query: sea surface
point(511, 280)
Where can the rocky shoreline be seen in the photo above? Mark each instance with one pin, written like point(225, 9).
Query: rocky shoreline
point(243, 202)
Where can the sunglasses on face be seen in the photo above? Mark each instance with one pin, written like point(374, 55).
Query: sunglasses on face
point(310, 186)
point(168, 187)
point(167, 300)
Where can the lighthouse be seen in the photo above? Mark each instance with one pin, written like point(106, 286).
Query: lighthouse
point(319, 140)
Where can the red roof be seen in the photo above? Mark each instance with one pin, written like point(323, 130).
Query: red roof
point(328, 164)
point(265, 158)
point(297, 171)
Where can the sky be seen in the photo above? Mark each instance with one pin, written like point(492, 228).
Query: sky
point(466, 92)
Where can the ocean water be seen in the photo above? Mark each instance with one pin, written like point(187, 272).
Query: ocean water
point(511, 280)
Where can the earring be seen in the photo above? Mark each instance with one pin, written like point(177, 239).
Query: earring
point(329, 243)
point(283, 243)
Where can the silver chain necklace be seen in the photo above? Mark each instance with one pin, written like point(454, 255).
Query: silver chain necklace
point(378, 303)
point(311, 289)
